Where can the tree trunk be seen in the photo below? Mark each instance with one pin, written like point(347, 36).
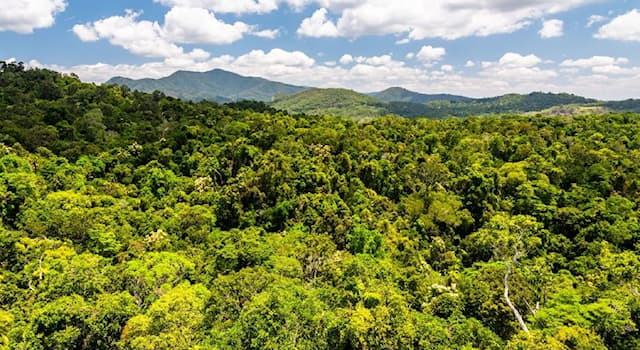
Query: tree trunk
point(516, 313)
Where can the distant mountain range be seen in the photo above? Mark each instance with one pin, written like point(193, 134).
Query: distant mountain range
point(223, 87)
point(217, 85)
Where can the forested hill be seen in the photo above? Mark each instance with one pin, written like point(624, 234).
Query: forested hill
point(352, 104)
point(216, 85)
point(137, 221)
point(341, 102)
point(398, 94)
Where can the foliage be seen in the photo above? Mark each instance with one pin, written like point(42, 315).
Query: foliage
point(138, 221)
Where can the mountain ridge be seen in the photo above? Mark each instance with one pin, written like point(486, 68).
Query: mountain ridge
point(216, 85)
point(223, 86)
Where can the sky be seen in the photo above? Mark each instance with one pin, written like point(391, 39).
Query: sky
point(475, 48)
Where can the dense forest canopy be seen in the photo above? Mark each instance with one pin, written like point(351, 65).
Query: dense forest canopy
point(138, 221)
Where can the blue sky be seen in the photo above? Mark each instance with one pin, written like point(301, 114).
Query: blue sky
point(470, 47)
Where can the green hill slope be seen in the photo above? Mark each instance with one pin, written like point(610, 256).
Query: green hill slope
point(216, 85)
point(398, 94)
point(339, 102)
point(352, 104)
point(512, 103)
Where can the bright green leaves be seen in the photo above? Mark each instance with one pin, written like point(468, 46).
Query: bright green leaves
point(174, 321)
point(153, 274)
point(6, 324)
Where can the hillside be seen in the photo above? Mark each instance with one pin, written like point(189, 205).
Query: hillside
point(340, 102)
point(398, 94)
point(352, 104)
point(631, 105)
point(216, 85)
point(138, 221)
point(511, 103)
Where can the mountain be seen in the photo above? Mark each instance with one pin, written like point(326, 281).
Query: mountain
point(341, 102)
point(631, 105)
point(511, 103)
point(217, 85)
point(223, 87)
point(398, 94)
point(352, 104)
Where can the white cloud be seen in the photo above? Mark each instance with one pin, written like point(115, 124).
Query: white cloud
point(384, 60)
point(226, 6)
point(85, 32)
point(552, 28)
point(318, 25)
point(515, 60)
point(24, 16)
point(625, 27)
point(615, 69)
point(267, 33)
point(514, 67)
point(274, 59)
point(594, 19)
point(144, 38)
point(470, 64)
point(346, 59)
point(255, 6)
point(430, 54)
point(199, 26)
point(439, 18)
point(446, 68)
point(602, 65)
point(595, 61)
point(181, 25)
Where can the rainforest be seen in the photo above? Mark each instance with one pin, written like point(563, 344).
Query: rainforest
point(133, 220)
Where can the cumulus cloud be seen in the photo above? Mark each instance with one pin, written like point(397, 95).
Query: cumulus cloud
point(181, 25)
point(429, 54)
point(318, 25)
point(625, 28)
point(199, 26)
point(346, 59)
point(594, 61)
point(515, 60)
point(384, 60)
point(24, 16)
point(144, 38)
point(438, 18)
point(235, 6)
point(602, 65)
point(514, 67)
point(275, 57)
point(267, 33)
point(552, 28)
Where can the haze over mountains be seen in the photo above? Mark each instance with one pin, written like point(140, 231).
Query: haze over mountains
point(223, 86)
